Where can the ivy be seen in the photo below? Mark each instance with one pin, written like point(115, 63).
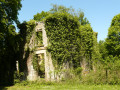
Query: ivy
point(35, 62)
point(30, 30)
point(69, 34)
point(63, 34)
point(27, 31)
point(39, 39)
point(86, 39)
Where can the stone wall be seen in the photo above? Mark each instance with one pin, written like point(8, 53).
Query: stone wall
point(49, 69)
point(50, 72)
point(32, 74)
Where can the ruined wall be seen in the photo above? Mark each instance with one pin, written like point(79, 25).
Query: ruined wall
point(50, 72)
point(32, 74)
point(49, 69)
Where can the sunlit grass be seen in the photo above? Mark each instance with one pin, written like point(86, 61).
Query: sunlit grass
point(62, 86)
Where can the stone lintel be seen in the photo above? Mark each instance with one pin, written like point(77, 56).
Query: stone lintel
point(40, 48)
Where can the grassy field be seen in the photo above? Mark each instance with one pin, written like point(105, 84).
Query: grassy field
point(62, 87)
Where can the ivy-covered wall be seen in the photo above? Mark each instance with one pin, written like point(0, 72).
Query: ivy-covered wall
point(27, 29)
point(71, 40)
point(31, 39)
point(64, 37)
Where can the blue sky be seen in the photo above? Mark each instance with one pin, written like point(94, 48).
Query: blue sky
point(98, 12)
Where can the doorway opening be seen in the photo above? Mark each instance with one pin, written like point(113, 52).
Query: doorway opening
point(41, 63)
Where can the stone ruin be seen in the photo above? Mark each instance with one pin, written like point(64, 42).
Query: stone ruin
point(44, 56)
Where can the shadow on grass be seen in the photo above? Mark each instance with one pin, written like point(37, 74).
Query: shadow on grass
point(3, 88)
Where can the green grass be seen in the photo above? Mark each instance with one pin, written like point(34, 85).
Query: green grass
point(60, 86)
point(65, 87)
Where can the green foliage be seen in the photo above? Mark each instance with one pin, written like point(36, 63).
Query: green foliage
point(82, 20)
point(40, 16)
point(8, 39)
point(113, 39)
point(63, 47)
point(42, 69)
point(78, 71)
point(42, 66)
point(39, 38)
point(115, 21)
point(26, 31)
point(70, 38)
point(102, 49)
point(39, 66)
point(86, 39)
point(112, 63)
point(30, 30)
point(8, 54)
point(35, 62)
point(87, 46)
point(62, 9)
point(64, 86)
point(109, 49)
point(106, 73)
point(9, 9)
point(17, 76)
point(96, 56)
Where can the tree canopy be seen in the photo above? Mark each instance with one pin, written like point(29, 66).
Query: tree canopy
point(8, 39)
point(113, 39)
point(9, 10)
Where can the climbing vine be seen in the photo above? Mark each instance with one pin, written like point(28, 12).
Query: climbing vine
point(30, 30)
point(86, 34)
point(39, 39)
point(35, 62)
point(70, 36)
point(63, 33)
point(27, 32)
point(70, 40)
point(32, 33)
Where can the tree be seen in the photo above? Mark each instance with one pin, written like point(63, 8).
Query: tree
point(113, 39)
point(9, 10)
point(61, 9)
point(82, 19)
point(8, 39)
point(40, 16)
point(86, 46)
point(102, 49)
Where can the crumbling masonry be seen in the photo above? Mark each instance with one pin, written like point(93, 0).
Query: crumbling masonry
point(42, 54)
point(40, 50)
